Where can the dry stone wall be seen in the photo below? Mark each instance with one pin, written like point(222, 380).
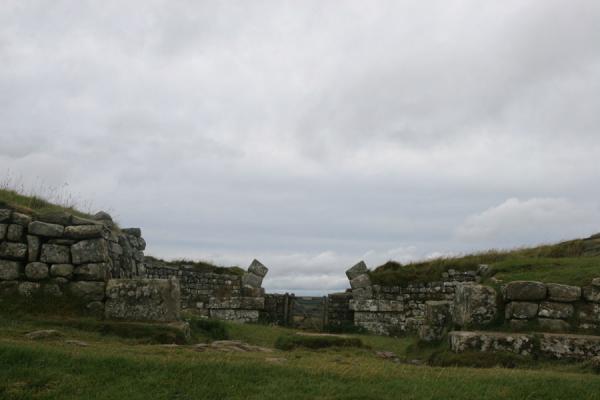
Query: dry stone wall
point(217, 295)
point(60, 254)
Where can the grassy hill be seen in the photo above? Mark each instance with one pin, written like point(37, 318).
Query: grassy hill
point(574, 262)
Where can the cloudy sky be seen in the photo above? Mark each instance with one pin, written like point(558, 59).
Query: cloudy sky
point(309, 134)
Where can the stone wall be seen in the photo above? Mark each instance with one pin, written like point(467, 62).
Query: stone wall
point(216, 295)
point(339, 314)
point(59, 254)
point(393, 310)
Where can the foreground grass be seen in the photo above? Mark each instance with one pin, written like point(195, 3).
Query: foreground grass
point(112, 367)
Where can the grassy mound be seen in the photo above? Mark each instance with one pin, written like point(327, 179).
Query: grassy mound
point(574, 262)
point(35, 204)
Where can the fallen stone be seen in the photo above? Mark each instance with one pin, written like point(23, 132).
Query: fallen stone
point(357, 270)
point(84, 231)
point(36, 271)
point(13, 251)
point(55, 254)
point(45, 229)
point(43, 334)
point(9, 270)
point(90, 251)
point(563, 293)
point(526, 290)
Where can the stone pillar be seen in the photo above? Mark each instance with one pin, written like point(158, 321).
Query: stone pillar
point(474, 305)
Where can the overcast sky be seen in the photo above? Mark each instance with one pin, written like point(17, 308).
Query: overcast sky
point(310, 134)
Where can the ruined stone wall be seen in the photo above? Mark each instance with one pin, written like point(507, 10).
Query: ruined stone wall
point(392, 310)
point(59, 254)
point(339, 314)
point(216, 295)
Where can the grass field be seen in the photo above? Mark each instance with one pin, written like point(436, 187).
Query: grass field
point(112, 367)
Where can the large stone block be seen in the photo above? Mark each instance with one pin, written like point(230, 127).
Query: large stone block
point(556, 310)
point(33, 248)
point(13, 251)
point(563, 293)
point(553, 325)
point(361, 281)
point(15, 233)
point(526, 291)
point(143, 299)
point(36, 271)
point(55, 217)
point(9, 270)
point(84, 231)
point(357, 270)
point(90, 251)
point(62, 270)
point(240, 316)
point(40, 228)
point(567, 346)
point(518, 343)
point(92, 272)
point(20, 219)
point(55, 254)
point(474, 305)
point(521, 310)
point(258, 269)
point(252, 280)
point(87, 291)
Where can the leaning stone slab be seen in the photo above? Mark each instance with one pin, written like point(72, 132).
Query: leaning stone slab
point(55, 254)
point(13, 251)
point(90, 251)
point(252, 280)
point(358, 269)
point(258, 268)
point(143, 299)
point(563, 293)
point(518, 343)
point(361, 281)
point(84, 231)
point(9, 270)
point(526, 290)
point(45, 229)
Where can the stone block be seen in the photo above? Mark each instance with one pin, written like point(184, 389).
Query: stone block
point(20, 219)
point(52, 289)
point(15, 233)
point(90, 251)
point(357, 270)
point(3, 231)
point(563, 293)
point(143, 299)
point(28, 289)
point(92, 272)
point(136, 232)
point(258, 269)
point(518, 343)
point(45, 229)
point(36, 271)
point(5, 215)
point(33, 248)
point(521, 310)
point(556, 310)
point(362, 293)
point(55, 217)
point(240, 316)
point(567, 346)
point(361, 281)
point(62, 270)
point(474, 305)
point(252, 280)
point(589, 312)
point(13, 251)
point(87, 291)
point(9, 270)
point(526, 291)
point(84, 231)
point(591, 293)
point(553, 325)
point(55, 254)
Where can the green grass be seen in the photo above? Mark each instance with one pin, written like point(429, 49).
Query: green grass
point(573, 262)
point(34, 204)
point(115, 368)
point(291, 342)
